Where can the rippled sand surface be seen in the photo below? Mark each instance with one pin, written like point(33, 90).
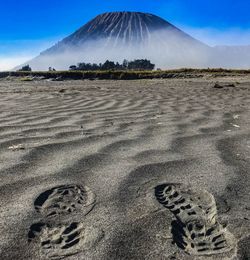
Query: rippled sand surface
point(150, 169)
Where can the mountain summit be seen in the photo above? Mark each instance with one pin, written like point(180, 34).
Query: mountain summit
point(127, 27)
point(123, 30)
point(131, 35)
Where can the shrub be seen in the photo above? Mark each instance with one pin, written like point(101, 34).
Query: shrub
point(141, 65)
point(26, 68)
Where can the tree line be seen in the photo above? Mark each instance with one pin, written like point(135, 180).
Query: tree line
point(140, 64)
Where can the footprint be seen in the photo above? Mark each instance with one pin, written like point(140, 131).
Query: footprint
point(60, 237)
point(195, 229)
point(65, 199)
point(57, 241)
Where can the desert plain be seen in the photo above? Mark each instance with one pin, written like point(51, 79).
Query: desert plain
point(139, 169)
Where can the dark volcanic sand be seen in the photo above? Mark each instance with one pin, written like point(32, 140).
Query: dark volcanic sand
point(80, 162)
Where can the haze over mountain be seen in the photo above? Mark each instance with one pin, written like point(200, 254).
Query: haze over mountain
point(133, 35)
point(122, 28)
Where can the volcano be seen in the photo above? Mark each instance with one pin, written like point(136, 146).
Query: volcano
point(125, 35)
point(122, 28)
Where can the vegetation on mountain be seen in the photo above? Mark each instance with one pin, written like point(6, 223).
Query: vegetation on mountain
point(26, 68)
point(136, 65)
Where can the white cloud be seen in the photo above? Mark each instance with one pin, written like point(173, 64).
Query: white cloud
point(16, 52)
point(8, 63)
point(213, 37)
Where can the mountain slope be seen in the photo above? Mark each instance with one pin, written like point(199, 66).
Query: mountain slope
point(123, 28)
point(131, 35)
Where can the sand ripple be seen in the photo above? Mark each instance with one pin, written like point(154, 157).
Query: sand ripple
point(121, 139)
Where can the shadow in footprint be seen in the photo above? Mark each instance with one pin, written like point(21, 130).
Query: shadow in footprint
point(34, 230)
point(177, 230)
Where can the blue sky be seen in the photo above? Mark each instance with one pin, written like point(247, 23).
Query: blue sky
point(30, 26)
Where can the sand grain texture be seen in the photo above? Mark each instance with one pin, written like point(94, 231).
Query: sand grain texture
point(147, 169)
